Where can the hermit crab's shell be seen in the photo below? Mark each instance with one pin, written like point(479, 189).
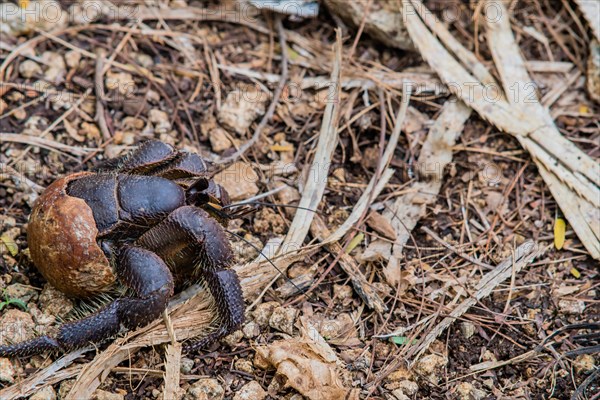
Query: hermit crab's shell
point(62, 240)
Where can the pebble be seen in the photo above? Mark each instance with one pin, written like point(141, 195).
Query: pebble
point(244, 365)
point(251, 330)
point(16, 326)
point(219, 140)
point(186, 365)
point(241, 107)
point(467, 329)
point(120, 81)
point(47, 393)
point(72, 58)
point(233, 338)
point(29, 68)
point(283, 319)
point(18, 291)
point(104, 395)
point(429, 367)
point(57, 69)
point(250, 391)
point(143, 59)
point(205, 389)
point(399, 394)
point(584, 363)
point(160, 120)
point(466, 391)
point(7, 371)
point(574, 307)
point(54, 302)
point(239, 179)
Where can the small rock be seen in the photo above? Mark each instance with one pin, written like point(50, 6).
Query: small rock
point(186, 365)
point(16, 326)
point(65, 388)
point(399, 394)
point(261, 362)
point(342, 292)
point(239, 179)
point(72, 58)
point(57, 69)
point(288, 195)
point(409, 387)
point(7, 371)
point(283, 319)
point(137, 105)
point(571, 306)
point(143, 59)
point(160, 120)
point(47, 393)
point(584, 363)
point(241, 107)
point(467, 329)
point(466, 391)
point(233, 338)
point(488, 356)
point(29, 68)
point(219, 140)
point(251, 330)
point(429, 367)
point(262, 313)
point(104, 395)
point(268, 221)
point(250, 391)
point(54, 302)
point(21, 292)
point(122, 82)
point(244, 365)
point(205, 389)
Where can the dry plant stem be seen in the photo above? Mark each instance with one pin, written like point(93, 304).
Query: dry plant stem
point(317, 180)
point(172, 368)
point(99, 86)
point(380, 176)
point(436, 153)
point(591, 12)
point(454, 250)
point(523, 255)
point(582, 205)
point(361, 285)
point(271, 110)
point(571, 174)
point(47, 376)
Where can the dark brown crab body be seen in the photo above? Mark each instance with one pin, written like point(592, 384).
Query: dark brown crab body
point(148, 220)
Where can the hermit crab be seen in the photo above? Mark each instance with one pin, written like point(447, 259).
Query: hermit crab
point(148, 221)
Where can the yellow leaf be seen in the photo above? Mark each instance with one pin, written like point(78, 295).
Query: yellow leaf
point(10, 245)
point(355, 242)
point(282, 147)
point(560, 227)
point(575, 272)
point(23, 3)
point(584, 109)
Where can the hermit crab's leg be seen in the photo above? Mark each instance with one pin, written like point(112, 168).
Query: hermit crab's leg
point(152, 285)
point(154, 157)
point(195, 246)
point(146, 157)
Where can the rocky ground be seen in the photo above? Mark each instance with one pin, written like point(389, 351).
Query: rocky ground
point(204, 84)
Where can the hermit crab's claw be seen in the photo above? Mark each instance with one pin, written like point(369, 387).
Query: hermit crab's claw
point(210, 196)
